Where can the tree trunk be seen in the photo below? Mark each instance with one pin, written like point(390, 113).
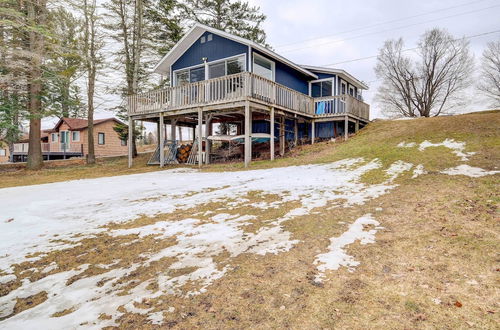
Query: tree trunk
point(90, 118)
point(36, 16)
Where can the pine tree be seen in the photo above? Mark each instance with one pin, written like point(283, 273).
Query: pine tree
point(233, 16)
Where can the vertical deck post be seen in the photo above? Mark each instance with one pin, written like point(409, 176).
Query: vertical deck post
point(313, 131)
point(130, 136)
point(346, 127)
point(200, 137)
point(271, 140)
point(173, 127)
point(248, 132)
point(161, 141)
point(296, 131)
point(282, 135)
point(356, 129)
point(208, 143)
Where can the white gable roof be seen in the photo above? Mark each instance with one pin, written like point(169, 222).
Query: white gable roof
point(163, 67)
point(346, 75)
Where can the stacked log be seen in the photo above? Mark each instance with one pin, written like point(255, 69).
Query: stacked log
point(183, 152)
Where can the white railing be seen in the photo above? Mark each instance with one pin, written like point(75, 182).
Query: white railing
point(238, 87)
point(341, 104)
point(73, 148)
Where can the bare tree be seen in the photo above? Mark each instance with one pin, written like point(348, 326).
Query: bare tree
point(489, 82)
point(92, 44)
point(431, 85)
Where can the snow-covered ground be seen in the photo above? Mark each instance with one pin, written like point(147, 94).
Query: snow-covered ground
point(33, 217)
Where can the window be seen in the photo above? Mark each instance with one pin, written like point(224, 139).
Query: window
point(197, 74)
point(209, 37)
point(123, 142)
point(263, 67)
point(182, 77)
point(75, 136)
point(101, 138)
point(351, 90)
point(217, 70)
point(235, 65)
point(64, 136)
point(53, 137)
point(3, 152)
point(343, 88)
point(202, 39)
point(321, 88)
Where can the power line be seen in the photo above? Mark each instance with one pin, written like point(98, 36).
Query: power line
point(392, 29)
point(406, 50)
point(380, 23)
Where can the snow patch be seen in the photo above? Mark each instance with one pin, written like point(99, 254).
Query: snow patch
point(458, 148)
point(473, 172)
point(336, 255)
point(418, 171)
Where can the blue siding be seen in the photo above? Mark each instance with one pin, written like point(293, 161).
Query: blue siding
point(322, 75)
point(289, 77)
point(216, 49)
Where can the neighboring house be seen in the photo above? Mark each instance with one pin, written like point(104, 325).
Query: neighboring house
point(4, 152)
point(217, 78)
point(69, 138)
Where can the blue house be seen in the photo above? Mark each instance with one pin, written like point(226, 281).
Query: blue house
point(252, 94)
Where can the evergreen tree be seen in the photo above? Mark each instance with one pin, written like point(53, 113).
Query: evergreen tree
point(233, 16)
point(65, 66)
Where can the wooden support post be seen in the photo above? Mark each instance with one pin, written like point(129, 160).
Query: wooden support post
point(313, 131)
point(173, 126)
point(346, 127)
point(271, 140)
point(194, 132)
point(282, 135)
point(208, 143)
point(356, 129)
point(248, 134)
point(161, 141)
point(200, 137)
point(296, 132)
point(130, 136)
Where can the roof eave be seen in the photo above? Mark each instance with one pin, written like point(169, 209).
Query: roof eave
point(241, 40)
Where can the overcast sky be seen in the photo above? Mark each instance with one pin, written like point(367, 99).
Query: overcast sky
point(324, 32)
point(339, 33)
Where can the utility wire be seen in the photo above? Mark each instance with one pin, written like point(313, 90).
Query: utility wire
point(380, 23)
point(407, 49)
point(392, 29)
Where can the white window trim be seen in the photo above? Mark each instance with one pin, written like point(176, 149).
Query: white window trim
point(104, 138)
point(209, 63)
point(273, 64)
point(61, 133)
point(343, 82)
point(54, 137)
point(72, 132)
point(332, 79)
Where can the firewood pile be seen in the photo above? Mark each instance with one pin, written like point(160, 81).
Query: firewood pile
point(183, 152)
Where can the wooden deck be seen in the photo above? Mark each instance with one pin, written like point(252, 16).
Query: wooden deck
point(234, 91)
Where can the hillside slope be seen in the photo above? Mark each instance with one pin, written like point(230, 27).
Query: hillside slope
point(395, 228)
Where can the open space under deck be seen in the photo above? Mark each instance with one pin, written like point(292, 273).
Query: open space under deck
point(251, 108)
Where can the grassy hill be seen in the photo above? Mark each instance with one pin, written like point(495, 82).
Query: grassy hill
point(434, 264)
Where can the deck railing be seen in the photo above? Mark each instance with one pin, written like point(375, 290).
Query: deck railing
point(73, 148)
point(341, 104)
point(239, 87)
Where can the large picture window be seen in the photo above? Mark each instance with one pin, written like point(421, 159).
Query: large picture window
point(321, 88)
point(263, 67)
point(216, 69)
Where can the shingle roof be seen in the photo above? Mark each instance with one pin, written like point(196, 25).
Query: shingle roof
point(77, 124)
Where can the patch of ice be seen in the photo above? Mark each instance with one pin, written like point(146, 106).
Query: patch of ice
point(156, 318)
point(406, 145)
point(473, 172)
point(7, 278)
point(419, 170)
point(458, 148)
point(397, 168)
point(336, 255)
